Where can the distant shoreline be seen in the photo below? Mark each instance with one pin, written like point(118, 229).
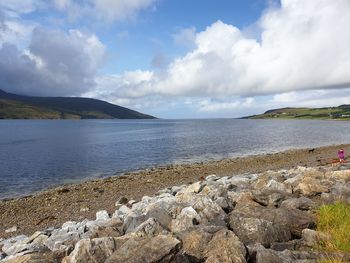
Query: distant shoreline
point(78, 201)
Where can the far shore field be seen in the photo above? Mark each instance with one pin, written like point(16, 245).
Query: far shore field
point(78, 201)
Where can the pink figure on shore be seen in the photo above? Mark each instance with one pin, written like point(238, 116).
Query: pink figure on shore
point(341, 155)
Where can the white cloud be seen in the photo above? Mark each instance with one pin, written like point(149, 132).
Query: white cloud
point(185, 37)
point(16, 32)
point(303, 45)
point(56, 63)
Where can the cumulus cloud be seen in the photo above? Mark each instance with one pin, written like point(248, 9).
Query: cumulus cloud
point(303, 45)
point(56, 63)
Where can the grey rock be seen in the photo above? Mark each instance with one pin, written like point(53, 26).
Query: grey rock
point(268, 197)
point(277, 186)
point(44, 257)
point(95, 250)
point(161, 248)
point(209, 212)
point(132, 221)
point(158, 211)
point(151, 227)
point(256, 230)
point(301, 203)
point(225, 247)
point(290, 245)
point(267, 256)
point(296, 220)
point(187, 219)
point(195, 241)
point(61, 239)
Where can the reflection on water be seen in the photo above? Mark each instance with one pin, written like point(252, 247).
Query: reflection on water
point(36, 154)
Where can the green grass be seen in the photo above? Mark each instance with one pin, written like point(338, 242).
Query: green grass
point(334, 221)
point(331, 113)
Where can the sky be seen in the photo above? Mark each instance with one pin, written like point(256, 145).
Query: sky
point(179, 59)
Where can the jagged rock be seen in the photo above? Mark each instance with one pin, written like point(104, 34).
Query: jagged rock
point(270, 198)
point(23, 245)
point(224, 203)
point(46, 257)
point(38, 237)
point(132, 221)
point(187, 219)
point(256, 230)
point(296, 220)
point(341, 191)
point(121, 212)
point(7, 244)
point(267, 256)
point(103, 231)
point(192, 188)
point(242, 199)
point(158, 211)
point(95, 250)
point(195, 241)
point(209, 212)
point(301, 203)
point(310, 186)
point(290, 245)
point(60, 239)
point(151, 227)
point(161, 248)
point(277, 186)
point(225, 247)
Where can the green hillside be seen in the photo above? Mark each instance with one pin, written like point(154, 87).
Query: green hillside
point(331, 113)
point(14, 106)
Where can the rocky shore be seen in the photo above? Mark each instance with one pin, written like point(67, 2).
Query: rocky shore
point(252, 217)
point(76, 202)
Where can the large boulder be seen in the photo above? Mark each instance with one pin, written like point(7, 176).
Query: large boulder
point(310, 186)
point(187, 219)
point(195, 241)
point(256, 230)
point(45, 257)
point(296, 220)
point(225, 247)
point(209, 212)
point(301, 203)
point(269, 197)
point(92, 250)
point(160, 249)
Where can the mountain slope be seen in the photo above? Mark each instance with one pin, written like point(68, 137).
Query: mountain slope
point(341, 112)
point(14, 106)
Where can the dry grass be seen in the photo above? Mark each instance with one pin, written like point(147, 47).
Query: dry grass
point(334, 221)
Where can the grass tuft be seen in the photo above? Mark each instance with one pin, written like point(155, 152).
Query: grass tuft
point(334, 221)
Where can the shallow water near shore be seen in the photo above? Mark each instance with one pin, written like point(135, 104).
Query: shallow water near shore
point(36, 154)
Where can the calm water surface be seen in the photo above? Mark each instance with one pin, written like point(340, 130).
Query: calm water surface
point(36, 154)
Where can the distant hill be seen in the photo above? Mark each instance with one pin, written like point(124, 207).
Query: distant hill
point(14, 106)
point(341, 112)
